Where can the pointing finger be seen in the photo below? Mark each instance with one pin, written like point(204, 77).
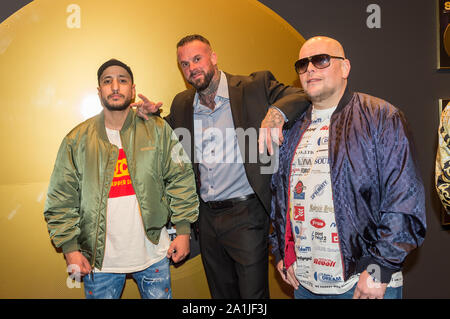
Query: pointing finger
point(143, 98)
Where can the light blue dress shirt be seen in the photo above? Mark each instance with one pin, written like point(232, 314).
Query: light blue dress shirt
point(221, 168)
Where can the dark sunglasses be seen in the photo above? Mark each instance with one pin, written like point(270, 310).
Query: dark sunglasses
point(320, 61)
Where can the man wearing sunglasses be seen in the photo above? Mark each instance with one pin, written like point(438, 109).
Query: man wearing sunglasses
point(348, 202)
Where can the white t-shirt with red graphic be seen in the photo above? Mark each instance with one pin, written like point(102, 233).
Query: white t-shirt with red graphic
point(319, 261)
point(127, 247)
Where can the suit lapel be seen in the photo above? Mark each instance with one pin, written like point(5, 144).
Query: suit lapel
point(236, 96)
point(189, 122)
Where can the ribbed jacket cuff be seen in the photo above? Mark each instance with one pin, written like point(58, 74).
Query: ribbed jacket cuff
point(377, 271)
point(277, 256)
point(70, 246)
point(183, 228)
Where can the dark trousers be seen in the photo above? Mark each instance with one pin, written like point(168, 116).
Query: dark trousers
point(234, 248)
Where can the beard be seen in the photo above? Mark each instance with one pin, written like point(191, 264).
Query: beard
point(119, 107)
point(320, 96)
point(201, 85)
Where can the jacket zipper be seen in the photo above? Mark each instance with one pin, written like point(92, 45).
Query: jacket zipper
point(106, 213)
point(332, 196)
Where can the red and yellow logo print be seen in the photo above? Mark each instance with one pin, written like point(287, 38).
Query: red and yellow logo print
point(121, 184)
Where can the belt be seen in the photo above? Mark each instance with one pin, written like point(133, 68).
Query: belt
point(228, 203)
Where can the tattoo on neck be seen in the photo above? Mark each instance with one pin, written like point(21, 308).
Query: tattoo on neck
point(207, 95)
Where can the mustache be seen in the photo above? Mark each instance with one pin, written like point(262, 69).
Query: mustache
point(195, 72)
point(121, 95)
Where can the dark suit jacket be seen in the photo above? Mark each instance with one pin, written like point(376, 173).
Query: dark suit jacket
point(250, 98)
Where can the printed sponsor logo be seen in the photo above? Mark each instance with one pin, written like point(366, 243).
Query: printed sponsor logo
point(322, 140)
point(317, 121)
point(324, 262)
point(321, 208)
point(334, 238)
point(303, 271)
point(299, 196)
point(319, 236)
point(318, 189)
point(300, 171)
point(299, 213)
point(303, 274)
point(324, 128)
point(318, 223)
point(326, 278)
point(321, 160)
point(333, 225)
point(299, 232)
point(327, 249)
point(304, 258)
point(304, 161)
point(299, 190)
point(305, 152)
point(304, 249)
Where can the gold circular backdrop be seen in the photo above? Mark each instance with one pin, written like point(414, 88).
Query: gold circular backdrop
point(49, 55)
point(447, 40)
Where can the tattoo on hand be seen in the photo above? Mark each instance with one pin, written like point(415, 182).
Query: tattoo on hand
point(274, 119)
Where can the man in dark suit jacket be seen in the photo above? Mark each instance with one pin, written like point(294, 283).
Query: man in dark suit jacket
point(217, 123)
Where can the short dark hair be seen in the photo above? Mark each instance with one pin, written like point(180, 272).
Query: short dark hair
point(192, 37)
point(112, 62)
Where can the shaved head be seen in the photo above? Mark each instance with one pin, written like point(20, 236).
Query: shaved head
point(324, 85)
point(329, 45)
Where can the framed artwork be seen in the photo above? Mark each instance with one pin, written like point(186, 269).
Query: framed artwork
point(442, 104)
point(445, 217)
point(443, 34)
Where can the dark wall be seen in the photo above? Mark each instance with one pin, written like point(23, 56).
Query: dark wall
point(8, 7)
point(397, 63)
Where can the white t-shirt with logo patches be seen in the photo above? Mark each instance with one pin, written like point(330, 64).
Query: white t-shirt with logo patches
point(319, 265)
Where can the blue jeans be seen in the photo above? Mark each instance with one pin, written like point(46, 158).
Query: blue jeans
point(303, 293)
point(153, 283)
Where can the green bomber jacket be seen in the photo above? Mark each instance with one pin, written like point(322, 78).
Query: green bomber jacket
point(162, 178)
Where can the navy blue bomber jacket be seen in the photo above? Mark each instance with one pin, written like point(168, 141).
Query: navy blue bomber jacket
point(378, 193)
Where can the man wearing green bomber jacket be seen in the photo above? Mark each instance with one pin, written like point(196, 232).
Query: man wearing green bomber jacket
point(116, 183)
